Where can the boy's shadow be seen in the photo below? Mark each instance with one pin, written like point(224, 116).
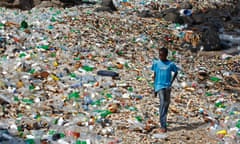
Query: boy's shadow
point(185, 125)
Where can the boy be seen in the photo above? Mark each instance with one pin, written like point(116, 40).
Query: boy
point(163, 80)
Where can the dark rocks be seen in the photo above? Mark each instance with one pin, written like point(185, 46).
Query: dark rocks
point(210, 39)
point(51, 3)
point(221, 15)
point(236, 10)
point(172, 15)
point(186, 5)
point(20, 4)
point(23, 4)
point(204, 37)
point(68, 3)
point(145, 14)
point(198, 18)
point(29, 4)
point(187, 20)
point(101, 9)
point(107, 5)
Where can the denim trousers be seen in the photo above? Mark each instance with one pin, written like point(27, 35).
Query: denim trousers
point(164, 97)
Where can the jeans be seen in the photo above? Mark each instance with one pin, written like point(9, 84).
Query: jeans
point(164, 97)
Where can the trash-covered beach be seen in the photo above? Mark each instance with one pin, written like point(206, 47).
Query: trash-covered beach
point(75, 75)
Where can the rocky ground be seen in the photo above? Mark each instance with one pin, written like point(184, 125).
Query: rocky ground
point(205, 97)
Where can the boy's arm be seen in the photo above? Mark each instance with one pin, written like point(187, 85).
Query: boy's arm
point(174, 77)
point(154, 75)
point(155, 93)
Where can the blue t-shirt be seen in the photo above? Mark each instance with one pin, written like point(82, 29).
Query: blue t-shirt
point(163, 73)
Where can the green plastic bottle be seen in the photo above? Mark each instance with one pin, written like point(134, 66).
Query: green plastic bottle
point(81, 142)
point(238, 124)
point(105, 113)
point(139, 118)
point(214, 79)
point(27, 101)
point(87, 68)
point(73, 95)
point(24, 24)
point(29, 141)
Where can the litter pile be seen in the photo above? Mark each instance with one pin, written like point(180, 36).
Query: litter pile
point(74, 75)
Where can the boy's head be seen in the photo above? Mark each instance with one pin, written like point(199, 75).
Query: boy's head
point(163, 53)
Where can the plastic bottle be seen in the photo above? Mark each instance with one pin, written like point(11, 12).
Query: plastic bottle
point(185, 12)
point(105, 113)
point(215, 79)
point(87, 141)
point(88, 68)
point(24, 24)
point(74, 95)
point(159, 136)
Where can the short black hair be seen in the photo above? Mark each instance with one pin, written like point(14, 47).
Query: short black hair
point(164, 50)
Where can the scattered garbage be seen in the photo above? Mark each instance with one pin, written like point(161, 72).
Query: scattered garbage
point(74, 75)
